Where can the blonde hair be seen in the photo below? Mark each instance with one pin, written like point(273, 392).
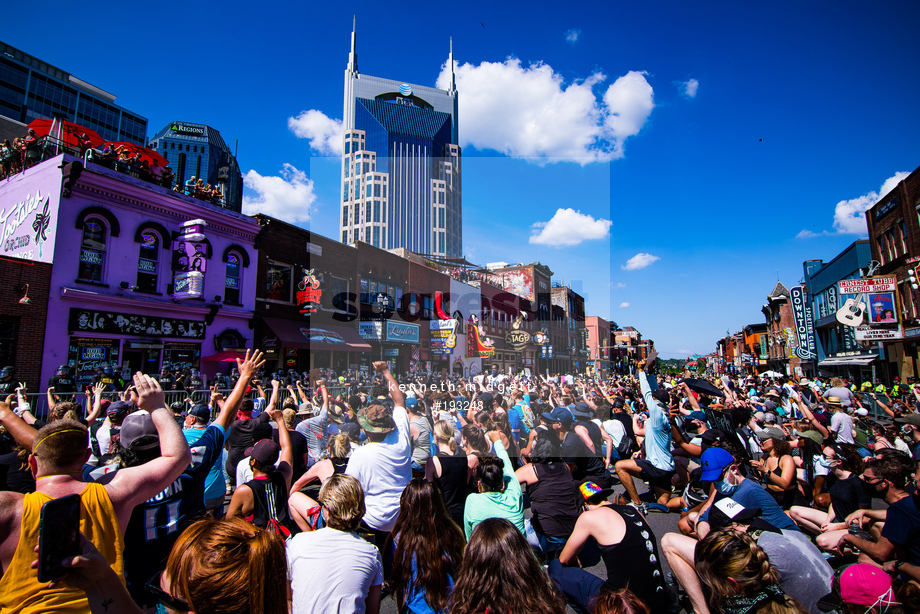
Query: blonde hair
point(288, 416)
point(343, 500)
point(60, 444)
point(339, 446)
point(444, 433)
point(730, 562)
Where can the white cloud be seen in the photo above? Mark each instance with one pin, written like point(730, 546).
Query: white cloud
point(571, 35)
point(324, 133)
point(850, 215)
point(639, 261)
point(289, 197)
point(624, 305)
point(529, 112)
point(689, 88)
point(569, 227)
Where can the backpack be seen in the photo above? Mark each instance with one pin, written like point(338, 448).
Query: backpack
point(527, 416)
point(626, 446)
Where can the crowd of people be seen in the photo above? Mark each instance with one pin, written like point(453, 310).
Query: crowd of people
point(196, 188)
point(22, 153)
point(467, 497)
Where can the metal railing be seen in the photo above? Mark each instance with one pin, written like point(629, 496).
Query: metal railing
point(38, 401)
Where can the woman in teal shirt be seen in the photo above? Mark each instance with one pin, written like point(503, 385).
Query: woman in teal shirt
point(499, 493)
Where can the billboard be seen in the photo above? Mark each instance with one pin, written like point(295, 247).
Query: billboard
point(882, 308)
point(518, 282)
point(444, 335)
point(29, 204)
point(871, 284)
point(804, 324)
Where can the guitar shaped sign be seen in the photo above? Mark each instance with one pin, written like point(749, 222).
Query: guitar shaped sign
point(853, 311)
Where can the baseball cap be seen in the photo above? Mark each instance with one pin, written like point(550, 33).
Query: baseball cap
point(138, 432)
point(713, 462)
point(759, 416)
point(697, 415)
point(771, 432)
point(727, 511)
point(119, 408)
point(200, 411)
point(561, 414)
point(909, 419)
point(862, 585)
point(411, 403)
point(264, 452)
point(815, 436)
point(590, 490)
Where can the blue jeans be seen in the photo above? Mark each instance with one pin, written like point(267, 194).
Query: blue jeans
point(580, 587)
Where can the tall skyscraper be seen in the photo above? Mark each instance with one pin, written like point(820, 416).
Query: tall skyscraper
point(401, 164)
point(32, 89)
point(197, 150)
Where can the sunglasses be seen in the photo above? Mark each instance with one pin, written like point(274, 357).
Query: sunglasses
point(153, 589)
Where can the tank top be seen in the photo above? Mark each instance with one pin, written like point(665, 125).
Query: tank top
point(594, 433)
point(339, 465)
point(643, 573)
point(554, 500)
point(784, 498)
point(421, 447)
point(454, 483)
point(270, 500)
point(20, 590)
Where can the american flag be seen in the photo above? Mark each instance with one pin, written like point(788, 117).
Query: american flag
point(416, 352)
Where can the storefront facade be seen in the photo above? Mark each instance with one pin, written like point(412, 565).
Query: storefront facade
point(306, 301)
point(145, 279)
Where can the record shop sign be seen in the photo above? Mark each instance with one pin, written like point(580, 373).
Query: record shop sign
point(517, 339)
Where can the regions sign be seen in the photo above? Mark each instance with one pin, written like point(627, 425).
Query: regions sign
point(872, 284)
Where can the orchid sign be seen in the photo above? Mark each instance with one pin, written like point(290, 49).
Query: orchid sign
point(28, 217)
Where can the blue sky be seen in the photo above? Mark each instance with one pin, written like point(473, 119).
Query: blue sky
point(716, 136)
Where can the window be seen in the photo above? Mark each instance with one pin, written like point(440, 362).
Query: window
point(365, 294)
point(376, 210)
point(147, 261)
point(345, 191)
point(338, 294)
point(278, 282)
point(172, 145)
point(92, 251)
point(357, 188)
point(903, 227)
point(195, 148)
point(344, 215)
point(367, 235)
point(376, 189)
point(357, 214)
point(344, 236)
point(345, 168)
point(186, 147)
point(376, 236)
point(232, 279)
point(367, 212)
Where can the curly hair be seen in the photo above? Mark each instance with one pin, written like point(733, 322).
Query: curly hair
point(730, 563)
point(428, 541)
point(499, 573)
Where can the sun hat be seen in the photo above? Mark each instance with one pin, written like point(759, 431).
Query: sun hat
point(376, 419)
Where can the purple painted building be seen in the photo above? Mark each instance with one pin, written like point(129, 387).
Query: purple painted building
point(144, 277)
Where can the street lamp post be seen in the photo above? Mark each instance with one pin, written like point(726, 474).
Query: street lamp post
point(383, 301)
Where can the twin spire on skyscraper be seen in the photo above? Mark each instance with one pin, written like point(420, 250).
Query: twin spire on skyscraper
point(353, 58)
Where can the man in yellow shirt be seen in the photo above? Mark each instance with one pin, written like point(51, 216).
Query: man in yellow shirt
point(59, 451)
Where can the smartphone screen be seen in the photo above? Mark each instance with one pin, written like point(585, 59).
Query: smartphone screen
point(58, 536)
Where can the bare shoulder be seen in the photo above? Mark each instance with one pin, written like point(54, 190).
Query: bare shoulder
point(10, 510)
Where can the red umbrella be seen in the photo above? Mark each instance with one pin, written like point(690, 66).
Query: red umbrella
point(71, 134)
point(141, 152)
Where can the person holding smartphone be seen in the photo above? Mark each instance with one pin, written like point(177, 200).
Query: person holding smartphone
point(58, 454)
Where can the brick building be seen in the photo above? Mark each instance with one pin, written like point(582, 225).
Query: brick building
point(894, 236)
point(781, 337)
point(22, 325)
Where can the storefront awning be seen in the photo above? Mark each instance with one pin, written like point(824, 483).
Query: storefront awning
point(293, 334)
point(225, 356)
point(842, 361)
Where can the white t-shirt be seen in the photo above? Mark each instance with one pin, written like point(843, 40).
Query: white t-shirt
point(842, 424)
point(332, 571)
point(104, 438)
point(384, 469)
point(616, 430)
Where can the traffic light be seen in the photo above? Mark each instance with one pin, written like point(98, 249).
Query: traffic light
point(912, 276)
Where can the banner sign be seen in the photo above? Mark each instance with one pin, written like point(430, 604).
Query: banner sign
point(371, 330)
point(517, 339)
point(309, 293)
point(872, 284)
point(443, 336)
point(882, 308)
point(804, 324)
point(870, 333)
point(475, 346)
point(401, 331)
point(86, 354)
point(28, 224)
point(87, 320)
point(190, 259)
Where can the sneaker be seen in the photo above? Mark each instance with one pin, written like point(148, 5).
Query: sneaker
point(642, 508)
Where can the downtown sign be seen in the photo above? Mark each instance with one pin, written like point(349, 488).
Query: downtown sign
point(804, 324)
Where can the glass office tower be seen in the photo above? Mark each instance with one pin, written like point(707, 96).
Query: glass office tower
point(32, 89)
point(401, 164)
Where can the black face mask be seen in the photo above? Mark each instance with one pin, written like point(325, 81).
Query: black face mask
point(873, 490)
